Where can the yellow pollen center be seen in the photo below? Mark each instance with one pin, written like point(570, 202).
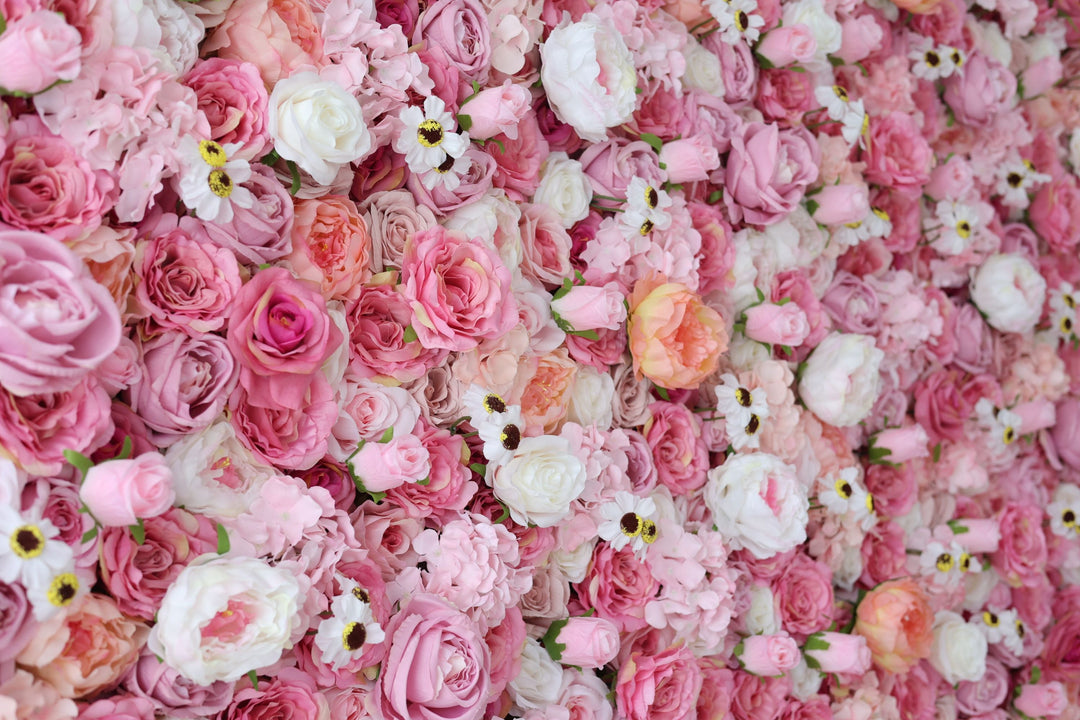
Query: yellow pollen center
point(870, 502)
point(648, 531)
point(963, 229)
point(63, 589)
point(990, 618)
point(28, 542)
point(965, 562)
point(652, 198)
point(220, 183)
point(853, 225)
point(445, 166)
point(353, 637)
point(957, 58)
point(1020, 629)
point(743, 397)
point(1008, 435)
point(944, 562)
point(646, 227)
point(630, 524)
point(1069, 300)
point(932, 58)
point(430, 133)
point(881, 214)
point(753, 425)
point(840, 92)
point(212, 153)
point(742, 20)
point(843, 489)
point(361, 594)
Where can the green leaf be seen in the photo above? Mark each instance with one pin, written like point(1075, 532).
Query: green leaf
point(653, 140)
point(295, 177)
point(937, 452)
point(816, 642)
point(223, 543)
point(425, 482)
point(763, 62)
point(79, 461)
point(862, 69)
point(502, 148)
point(125, 449)
point(812, 206)
point(464, 122)
point(89, 534)
point(1036, 675)
point(550, 640)
point(138, 532)
point(957, 528)
point(409, 335)
point(388, 435)
point(878, 455)
point(479, 468)
point(3, 23)
point(662, 392)
point(714, 197)
point(587, 334)
point(797, 68)
point(760, 295)
point(270, 158)
point(638, 91)
point(505, 512)
point(812, 662)
point(254, 678)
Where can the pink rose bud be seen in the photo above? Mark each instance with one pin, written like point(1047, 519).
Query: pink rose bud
point(1040, 76)
point(587, 307)
point(903, 444)
point(591, 642)
point(977, 535)
point(1042, 700)
point(832, 652)
point(689, 159)
point(862, 35)
point(786, 45)
point(840, 204)
point(777, 324)
point(769, 655)
point(1036, 415)
point(383, 466)
point(37, 50)
point(122, 492)
point(497, 110)
point(951, 180)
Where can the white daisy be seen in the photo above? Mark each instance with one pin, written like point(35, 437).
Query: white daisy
point(427, 136)
point(942, 562)
point(855, 123)
point(1001, 626)
point(928, 61)
point(343, 636)
point(957, 223)
point(1063, 323)
point(448, 174)
point(744, 431)
point(211, 183)
point(500, 441)
point(877, 223)
point(53, 596)
point(843, 495)
point(628, 521)
point(1064, 511)
point(1063, 297)
point(1003, 425)
point(28, 552)
point(735, 400)
point(646, 209)
point(1016, 180)
point(954, 56)
point(736, 19)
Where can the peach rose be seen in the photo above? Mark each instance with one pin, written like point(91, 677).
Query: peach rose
point(675, 339)
point(86, 649)
point(898, 623)
point(547, 396)
point(331, 246)
point(277, 36)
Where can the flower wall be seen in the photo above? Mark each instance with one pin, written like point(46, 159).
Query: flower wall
point(543, 359)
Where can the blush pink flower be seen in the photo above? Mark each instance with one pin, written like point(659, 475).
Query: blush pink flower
point(122, 492)
point(277, 36)
point(38, 50)
point(234, 99)
point(768, 172)
point(618, 585)
point(679, 454)
point(804, 596)
point(662, 686)
point(293, 436)
point(290, 695)
point(331, 245)
point(899, 156)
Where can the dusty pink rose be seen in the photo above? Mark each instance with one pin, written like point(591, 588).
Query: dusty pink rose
point(591, 642)
point(16, 621)
point(458, 288)
point(660, 686)
point(777, 324)
point(618, 585)
point(259, 234)
point(976, 698)
point(234, 99)
point(383, 466)
point(768, 172)
point(378, 321)
point(1061, 653)
point(982, 91)
point(460, 28)
point(1066, 432)
point(1055, 211)
point(545, 244)
point(290, 695)
point(786, 45)
point(769, 655)
point(679, 454)
point(119, 707)
point(899, 156)
point(497, 110)
point(122, 492)
point(38, 50)
point(277, 36)
point(804, 596)
point(1042, 700)
point(844, 654)
point(517, 170)
point(437, 665)
point(292, 436)
point(895, 490)
point(450, 486)
point(1022, 554)
point(690, 159)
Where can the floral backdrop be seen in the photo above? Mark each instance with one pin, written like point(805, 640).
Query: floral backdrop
point(542, 359)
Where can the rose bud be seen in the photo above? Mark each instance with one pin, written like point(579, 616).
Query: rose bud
point(121, 492)
point(903, 444)
point(587, 307)
point(832, 652)
point(777, 324)
point(384, 466)
point(689, 159)
point(786, 45)
point(840, 204)
point(38, 50)
point(769, 655)
point(497, 110)
point(1043, 700)
point(591, 642)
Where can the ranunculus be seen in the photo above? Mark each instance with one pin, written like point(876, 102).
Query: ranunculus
point(278, 36)
point(839, 653)
point(659, 686)
point(122, 492)
point(234, 99)
point(768, 172)
point(898, 624)
point(1042, 700)
point(331, 246)
point(318, 125)
point(225, 616)
point(777, 324)
point(540, 481)
point(1010, 292)
point(459, 290)
point(437, 665)
point(38, 50)
point(959, 648)
point(591, 642)
point(899, 156)
point(56, 323)
point(675, 339)
point(840, 381)
point(758, 503)
point(769, 655)
point(588, 75)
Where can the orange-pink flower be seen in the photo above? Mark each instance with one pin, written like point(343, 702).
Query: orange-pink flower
point(897, 621)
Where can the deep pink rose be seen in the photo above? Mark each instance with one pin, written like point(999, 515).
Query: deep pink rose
point(883, 553)
point(674, 434)
point(768, 171)
point(984, 89)
point(377, 322)
point(398, 12)
point(785, 94)
point(56, 323)
point(899, 156)
point(852, 304)
point(661, 686)
point(381, 171)
point(333, 478)
point(38, 50)
point(600, 353)
point(618, 585)
point(988, 693)
point(1055, 212)
point(450, 486)
point(119, 707)
point(663, 112)
point(460, 29)
point(280, 334)
point(437, 666)
point(291, 437)
point(758, 698)
point(804, 596)
point(234, 99)
point(1022, 554)
point(184, 385)
point(119, 492)
point(941, 407)
point(261, 233)
point(459, 290)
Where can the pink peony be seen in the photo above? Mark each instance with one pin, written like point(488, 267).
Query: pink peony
point(662, 686)
point(768, 172)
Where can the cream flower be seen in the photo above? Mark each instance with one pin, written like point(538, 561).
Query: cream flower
point(540, 481)
point(628, 521)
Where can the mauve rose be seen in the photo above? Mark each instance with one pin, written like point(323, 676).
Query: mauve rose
point(290, 695)
point(1055, 211)
point(17, 623)
point(460, 29)
point(768, 171)
point(185, 383)
point(119, 707)
point(261, 233)
point(278, 36)
point(611, 165)
point(234, 99)
point(974, 341)
point(899, 156)
point(437, 664)
point(398, 12)
point(659, 686)
point(1022, 554)
point(38, 50)
point(377, 322)
point(803, 596)
point(330, 246)
point(988, 693)
point(518, 160)
point(56, 323)
point(291, 437)
point(852, 304)
point(387, 532)
point(392, 217)
point(983, 90)
point(674, 434)
point(618, 585)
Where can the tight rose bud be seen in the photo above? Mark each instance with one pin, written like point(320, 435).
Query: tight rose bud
point(903, 444)
point(786, 45)
point(586, 307)
point(122, 492)
point(977, 535)
point(840, 204)
point(1036, 415)
point(591, 642)
point(839, 653)
point(497, 110)
point(689, 159)
point(777, 324)
point(769, 655)
point(384, 466)
point(1043, 700)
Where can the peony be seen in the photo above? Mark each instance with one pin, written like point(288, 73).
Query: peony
point(224, 616)
point(758, 503)
point(897, 622)
point(840, 382)
point(1009, 291)
point(959, 648)
point(540, 481)
point(564, 187)
point(588, 75)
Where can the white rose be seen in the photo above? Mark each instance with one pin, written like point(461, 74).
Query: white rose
point(591, 397)
point(540, 680)
point(224, 616)
point(761, 617)
point(574, 563)
point(565, 188)
point(317, 124)
point(840, 382)
point(181, 33)
point(959, 648)
point(214, 474)
point(744, 293)
point(570, 72)
point(540, 481)
point(824, 27)
point(758, 503)
point(703, 71)
point(494, 219)
point(1010, 292)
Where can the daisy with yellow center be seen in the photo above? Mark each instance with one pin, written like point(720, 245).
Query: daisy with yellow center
point(30, 554)
point(58, 593)
point(952, 227)
point(627, 520)
point(942, 562)
point(845, 496)
point(432, 147)
point(646, 209)
point(1002, 425)
point(736, 20)
point(1064, 511)
point(210, 184)
point(350, 629)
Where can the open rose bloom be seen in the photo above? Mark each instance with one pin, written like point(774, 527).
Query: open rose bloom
point(539, 359)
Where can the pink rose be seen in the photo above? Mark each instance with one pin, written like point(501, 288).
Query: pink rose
point(976, 698)
point(1036, 415)
point(804, 596)
point(38, 50)
point(234, 99)
point(587, 307)
point(984, 89)
point(259, 234)
point(974, 340)
point(787, 45)
point(281, 334)
point(1061, 661)
point(497, 110)
point(378, 321)
point(450, 486)
point(1042, 700)
point(883, 553)
point(460, 29)
point(618, 585)
point(981, 535)
point(1066, 432)
point(291, 436)
point(119, 707)
point(392, 217)
point(659, 686)
point(383, 466)
point(458, 288)
point(437, 665)
point(903, 444)
point(277, 36)
point(17, 624)
point(591, 642)
point(397, 12)
point(758, 698)
point(941, 407)
point(785, 95)
point(291, 695)
point(611, 165)
point(56, 323)
point(768, 172)
point(740, 70)
point(853, 304)
point(834, 652)
point(475, 182)
point(840, 204)
point(1041, 75)
point(951, 180)
point(545, 245)
point(690, 159)
point(894, 489)
point(674, 434)
point(122, 492)
point(1022, 554)
point(899, 156)
point(517, 170)
point(777, 324)
point(769, 655)
point(861, 37)
point(1055, 211)
point(330, 246)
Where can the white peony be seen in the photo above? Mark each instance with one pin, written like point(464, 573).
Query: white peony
point(573, 60)
point(1010, 292)
point(591, 398)
point(840, 382)
point(317, 124)
point(758, 503)
point(959, 648)
point(565, 188)
point(540, 481)
point(761, 617)
point(540, 681)
point(703, 71)
point(225, 616)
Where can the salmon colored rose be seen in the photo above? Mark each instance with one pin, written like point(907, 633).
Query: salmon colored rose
point(675, 339)
point(277, 36)
point(898, 623)
point(331, 246)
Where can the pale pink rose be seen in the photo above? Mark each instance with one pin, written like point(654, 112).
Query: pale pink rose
point(38, 50)
point(545, 244)
point(768, 171)
point(951, 180)
point(291, 695)
point(23, 695)
point(497, 110)
point(450, 486)
point(659, 686)
point(689, 159)
point(1022, 555)
point(840, 204)
point(1036, 415)
point(1055, 210)
point(976, 698)
point(861, 35)
point(591, 642)
point(787, 45)
point(460, 29)
point(903, 444)
point(981, 535)
point(587, 307)
point(844, 654)
point(234, 99)
point(382, 466)
point(277, 36)
point(777, 324)
point(1042, 700)
point(119, 707)
point(983, 90)
point(122, 492)
point(290, 436)
point(1041, 76)
point(1066, 432)
point(899, 156)
point(769, 655)
point(378, 321)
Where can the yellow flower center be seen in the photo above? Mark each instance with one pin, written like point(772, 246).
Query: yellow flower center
point(870, 502)
point(843, 489)
point(27, 542)
point(840, 92)
point(1020, 630)
point(742, 20)
point(430, 133)
point(1069, 300)
point(957, 58)
point(1068, 518)
point(853, 225)
point(445, 166)
point(881, 214)
point(630, 524)
point(648, 532)
point(1008, 435)
point(944, 562)
point(646, 227)
point(990, 618)
point(743, 397)
point(353, 637)
point(361, 594)
point(63, 589)
point(212, 153)
point(492, 403)
point(652, 198)
point(963, 229)
point(220, 183)
point(965, 562)
point(932, 59)
point(753, 425)
point(510, 437)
